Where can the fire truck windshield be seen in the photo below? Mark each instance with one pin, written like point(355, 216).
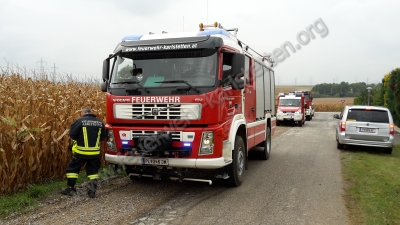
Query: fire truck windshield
point(154, 70)
point(289, 102)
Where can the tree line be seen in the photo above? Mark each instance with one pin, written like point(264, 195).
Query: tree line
point(343, 89)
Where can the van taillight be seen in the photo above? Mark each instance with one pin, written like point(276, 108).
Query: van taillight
point(343, 126)
point(391, 128)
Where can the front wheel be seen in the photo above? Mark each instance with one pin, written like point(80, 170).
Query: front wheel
point(236, 168)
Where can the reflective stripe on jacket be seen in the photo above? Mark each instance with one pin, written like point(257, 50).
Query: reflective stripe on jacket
point(87, 131)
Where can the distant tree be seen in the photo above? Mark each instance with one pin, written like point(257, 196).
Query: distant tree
point(344, 88)
point(393, 94)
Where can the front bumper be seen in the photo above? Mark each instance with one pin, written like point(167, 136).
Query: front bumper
point(213, 163)
point(289, 116)
point(379, 144)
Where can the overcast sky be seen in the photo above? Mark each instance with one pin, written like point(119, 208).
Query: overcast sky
point(362, 42)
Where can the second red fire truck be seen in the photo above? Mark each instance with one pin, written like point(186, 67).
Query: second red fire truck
point(291, 108)
point(182, 101)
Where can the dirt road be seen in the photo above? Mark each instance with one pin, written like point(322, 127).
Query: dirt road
point(300, 184)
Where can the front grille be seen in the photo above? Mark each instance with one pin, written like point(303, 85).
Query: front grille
point(157, 111)
point(176, 135)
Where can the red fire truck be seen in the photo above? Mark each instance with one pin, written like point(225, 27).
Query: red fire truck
point(308, 100)
point(177, 102)
point(291, 108)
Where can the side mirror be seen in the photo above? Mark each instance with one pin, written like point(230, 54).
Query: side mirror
point(312, 98)
point(237, 71)
point(336, 116)
point(104, 86)
point(137, 71)
point(106, 69)
point(237, 65)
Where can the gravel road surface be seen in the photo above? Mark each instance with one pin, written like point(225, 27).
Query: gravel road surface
point(300, 184)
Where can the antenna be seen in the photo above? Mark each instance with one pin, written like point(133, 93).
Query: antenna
point(245, 47)
point(207, 11)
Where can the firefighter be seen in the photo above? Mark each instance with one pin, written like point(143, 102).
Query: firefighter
point(86, 132)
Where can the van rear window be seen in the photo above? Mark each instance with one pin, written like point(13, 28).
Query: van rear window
point(373, 116)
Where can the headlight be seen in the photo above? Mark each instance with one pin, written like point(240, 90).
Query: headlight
point(111, 141)
point(207, 143)
point(298, 111)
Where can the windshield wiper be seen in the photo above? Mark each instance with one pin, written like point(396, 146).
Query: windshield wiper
point(133, 82)
point(179, 81)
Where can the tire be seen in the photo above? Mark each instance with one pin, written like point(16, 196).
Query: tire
point(278, 123)
point(308, 118)
point(338, 145)
point(236, 168)
point(264, 155)
point(388, 150)
point(301, 123)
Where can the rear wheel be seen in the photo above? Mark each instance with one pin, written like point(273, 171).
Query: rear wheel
point(339, 146)
point(301, 123)
point(236, 168)
point(308, 118)
point(278, 123)
point(264, 155)
point(388, 150)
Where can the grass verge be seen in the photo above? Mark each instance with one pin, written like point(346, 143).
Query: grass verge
point(372, 189)
point(28, 199)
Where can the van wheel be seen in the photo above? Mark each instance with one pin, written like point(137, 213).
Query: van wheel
point(308, 118)
point(236, 168)
point(388, 150)
point(301, 123)
point(278, 123)
point(264, 155)
point(338, 145)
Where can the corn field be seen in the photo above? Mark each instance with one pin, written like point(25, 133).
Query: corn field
point(35, 116)
point(333, 107)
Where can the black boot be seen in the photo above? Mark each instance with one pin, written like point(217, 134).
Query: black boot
point(92, 188)
point(70, 191)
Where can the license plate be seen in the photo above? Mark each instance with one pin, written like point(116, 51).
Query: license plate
point(369, 130)
point(159, 162)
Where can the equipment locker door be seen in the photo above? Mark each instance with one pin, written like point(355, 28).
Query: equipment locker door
point(249, 99)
